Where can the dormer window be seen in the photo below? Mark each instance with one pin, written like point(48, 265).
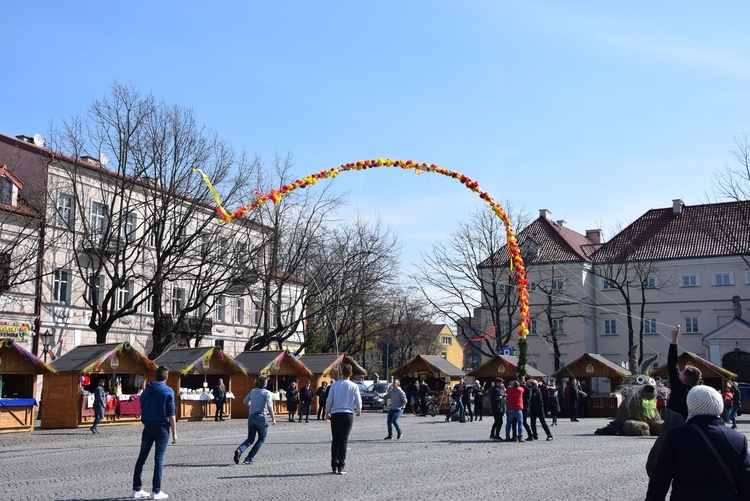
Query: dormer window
point(6, 191)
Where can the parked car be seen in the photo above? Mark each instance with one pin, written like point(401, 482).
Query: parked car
point(745, 398)
point(363, 385)
point(371, 396)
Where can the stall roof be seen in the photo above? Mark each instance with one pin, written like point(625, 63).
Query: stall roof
point(88, 357)
point(438, 364)
point(36, 362)
point(507, 360)
point(184, 360)
point(602, 367)
point(265, 362)
point(326, 363)
point(707, 368)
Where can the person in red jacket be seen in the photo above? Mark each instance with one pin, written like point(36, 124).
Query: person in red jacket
point(514, 411)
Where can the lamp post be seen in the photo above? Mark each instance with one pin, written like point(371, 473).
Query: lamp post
point(46, 340)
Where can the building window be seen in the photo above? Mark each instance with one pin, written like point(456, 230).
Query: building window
point(123, 294)
point(257, 313)
point(610, 327)
point(531, 287)
point(6, 191)
point(446, 340)
point(219, 343)
point(98, 218)
point(65, 211)
point(220, 308)
point(649, 326)
point(558, 285)
point(178, 296)
point(608, 285)
point(205, 243)
point(96, 284)
point(61, 287)
point(651, 282)
point(690, 280)
point(128, 227)
point(150, 300)
point(180, 235)
point(723, 278)
point(4, 271)
point(691, 325)
point(239, 311)
point(154, 232)
point(533, 327)
point(504, 288)
point(223, 250)
point(558, 325)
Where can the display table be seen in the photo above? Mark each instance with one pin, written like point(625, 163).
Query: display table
point(130, 407)
point(16, 413)
point(17, 402)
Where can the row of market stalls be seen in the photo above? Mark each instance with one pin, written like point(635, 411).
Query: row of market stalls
point(69, 381)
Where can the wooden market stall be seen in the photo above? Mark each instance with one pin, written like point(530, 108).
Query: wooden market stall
point(18, 373)
point(713, 375)
point(193, 373)
point(584, 369)
point(281, 367)
point(67, 397)
point(504, 367)
point(327, 367)
point(440, 375)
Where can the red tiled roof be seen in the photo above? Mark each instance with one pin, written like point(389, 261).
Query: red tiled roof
point(709, 230)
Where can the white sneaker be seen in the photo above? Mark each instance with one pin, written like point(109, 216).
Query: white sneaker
point(159, 495)
point(141, 494)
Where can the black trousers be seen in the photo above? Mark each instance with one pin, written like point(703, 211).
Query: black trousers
point(526, 423)
point(341, 426)
point(573, 409)
point(321, 408)
point(540, 415)
point(219, 409)
point(423, 403)
point(497, 426)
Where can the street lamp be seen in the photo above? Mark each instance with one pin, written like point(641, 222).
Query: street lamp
point(46, 341)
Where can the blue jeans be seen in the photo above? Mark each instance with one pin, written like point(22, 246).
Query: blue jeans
point(149, 437)
point(514, 416)
point(305, 410)
point(732, 414)
point(98, 416)
point(460, 409)
point(256, 424)
point(393, 415)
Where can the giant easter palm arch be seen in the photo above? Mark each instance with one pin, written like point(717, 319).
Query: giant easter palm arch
point(514, 251)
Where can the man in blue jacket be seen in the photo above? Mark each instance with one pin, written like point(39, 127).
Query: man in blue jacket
point(157, 416)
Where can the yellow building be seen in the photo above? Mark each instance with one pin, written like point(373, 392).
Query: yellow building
point(450, 349)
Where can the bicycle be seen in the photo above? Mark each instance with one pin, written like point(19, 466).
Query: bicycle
point(432, 408)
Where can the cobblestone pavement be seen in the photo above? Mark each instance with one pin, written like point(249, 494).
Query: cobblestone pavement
point(434, 460)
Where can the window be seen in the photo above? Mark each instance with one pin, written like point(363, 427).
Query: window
point(219, 343)
point(127, 232)
point(154, 232)
point(220, 308)
point(446, 340)
point(257, 313)
point(651, 282)
point(4, 271)
point(690, 280)
point(123, 294)
point(649, 326)
point(178, 296)
point(96, 284)
point(239, 311)
point(223, 250)
point(558, 285)
point(533, 327)
point(61, 286)
point(6, 191)
point(180, 235)
point(558, 325)
point(723, 278)
point(610, 327)
point(608, 285)
point(150, 300)
point(65, 212)
point(205, 245)
point(98, 218)
point(691, 325)
point(531, 287)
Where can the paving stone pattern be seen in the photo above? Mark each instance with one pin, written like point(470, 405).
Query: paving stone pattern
point(434, 460)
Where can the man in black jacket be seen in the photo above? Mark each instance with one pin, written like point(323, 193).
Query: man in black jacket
point(305, 398)
point(424, 390)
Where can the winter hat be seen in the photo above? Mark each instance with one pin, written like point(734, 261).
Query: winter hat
point(704, 401)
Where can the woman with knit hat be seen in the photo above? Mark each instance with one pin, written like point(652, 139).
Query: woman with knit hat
point(702, 459)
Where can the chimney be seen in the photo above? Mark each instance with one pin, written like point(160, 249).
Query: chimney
point(677, 205)
point(594, 235)
point(544, 213)
point(561, 223)
point(25, 139)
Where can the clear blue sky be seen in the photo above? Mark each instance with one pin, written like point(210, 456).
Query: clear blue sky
point(597, 111)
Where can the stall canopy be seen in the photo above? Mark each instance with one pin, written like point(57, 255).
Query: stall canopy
point(327, 364)
point(505, 367)
point(435, 365)
point(591, 365)
point(101, 358)
point(272, 362)
point(189, 360)
point(712, 374)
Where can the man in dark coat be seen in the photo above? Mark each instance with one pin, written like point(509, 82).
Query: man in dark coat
point(424, 390)
point(687, 462)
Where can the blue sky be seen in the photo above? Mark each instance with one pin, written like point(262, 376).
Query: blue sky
point(597, 111)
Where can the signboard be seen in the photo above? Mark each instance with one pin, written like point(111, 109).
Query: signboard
point(18, 331)
point(589, 369)
point(506, 350)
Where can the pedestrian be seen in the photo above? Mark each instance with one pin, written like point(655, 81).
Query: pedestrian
point(259, 401)
point(305, 399)
point(344, 402)
point(467, 395)
point(424, 391)
point(536, 410)
point(220, 398)
point(553, 401)
point(514, 411)
point(702, 459)
point(680, 383)
point(321, 394)
point(100, 401)
point(573, 398)
point(292, 400)
point(457, 397)
point(157, 416)
point(527, 409)
point(497, 407)
point(396, 399)
point(583, 404)
point(478, 400)
point(736, 404)
point(727, 396)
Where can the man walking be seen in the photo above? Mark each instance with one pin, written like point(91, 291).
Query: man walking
point(259, 400)
point(100, 400)
point(397, 403)
point(344, 402)
point(497, 407)
point(157, 416)
point(305, 398)
point(220, 398)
